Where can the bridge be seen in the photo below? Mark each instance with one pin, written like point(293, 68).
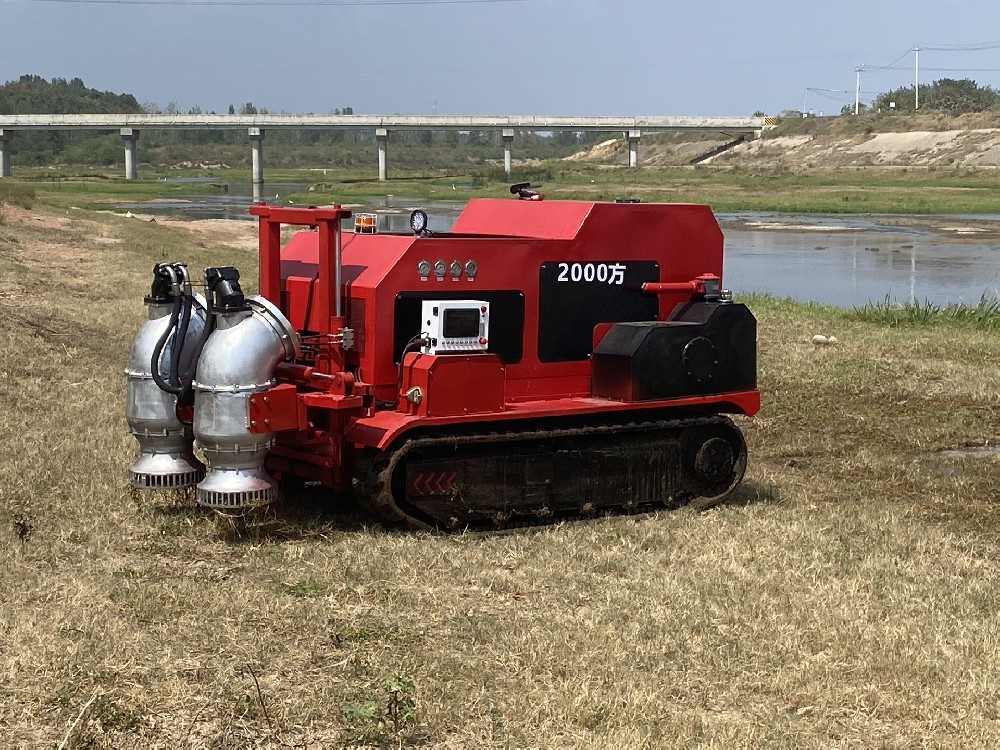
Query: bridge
point(129, 127)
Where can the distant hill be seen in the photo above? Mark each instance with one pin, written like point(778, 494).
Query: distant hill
point(956, 126)
point(34, 95)
point(937, 141)
point(931, 141)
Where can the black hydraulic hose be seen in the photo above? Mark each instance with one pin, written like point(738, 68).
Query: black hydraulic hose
point(309, 302)
point(179, 341)
point(154, 364)
point(207, 328)
point(186, 395)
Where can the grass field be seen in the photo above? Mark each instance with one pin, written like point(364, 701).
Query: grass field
point(847, 595)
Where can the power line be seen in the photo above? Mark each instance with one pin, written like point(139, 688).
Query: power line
point(963, 70)
point(960, 47)
point(952, 70)
point(890, 65)
point(838, 94)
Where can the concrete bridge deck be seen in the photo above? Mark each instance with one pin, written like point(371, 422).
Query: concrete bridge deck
point(391, 122)
point(129, 126)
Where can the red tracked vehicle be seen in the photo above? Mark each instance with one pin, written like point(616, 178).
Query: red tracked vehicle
point(542, 360)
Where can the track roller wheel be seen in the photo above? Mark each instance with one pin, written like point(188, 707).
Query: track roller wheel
point(714, 461)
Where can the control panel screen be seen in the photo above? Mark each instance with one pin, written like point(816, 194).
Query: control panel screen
point(461, 323)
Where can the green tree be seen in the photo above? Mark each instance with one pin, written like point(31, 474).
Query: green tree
point(943, 95)
point(963, 95)
point(32, 94)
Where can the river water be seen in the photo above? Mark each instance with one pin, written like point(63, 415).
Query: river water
point(848, 261)
point(839, 260)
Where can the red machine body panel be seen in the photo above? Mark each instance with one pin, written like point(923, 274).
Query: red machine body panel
point(560, 220)
point(383, 428)
point(557, 274)
point(458, 385)
point(509, 240)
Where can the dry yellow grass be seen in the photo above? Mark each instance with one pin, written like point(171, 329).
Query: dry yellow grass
point(848, 595)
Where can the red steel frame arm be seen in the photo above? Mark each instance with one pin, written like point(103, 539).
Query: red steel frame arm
point(695, 286)
point(327, 220)
point(269, 246)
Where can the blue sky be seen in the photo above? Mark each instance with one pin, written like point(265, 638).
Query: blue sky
point(586, 57)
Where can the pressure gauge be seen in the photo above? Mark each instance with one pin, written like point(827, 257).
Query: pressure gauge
point(440, 268)
point(471, 268)
point(418, 221)
point(456, 269)
point(424, 268)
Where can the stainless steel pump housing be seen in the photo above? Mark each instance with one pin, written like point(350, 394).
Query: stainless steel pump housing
point(237, 361)
point(166, 458)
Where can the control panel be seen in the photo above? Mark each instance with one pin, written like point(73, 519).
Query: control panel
point(455, 326)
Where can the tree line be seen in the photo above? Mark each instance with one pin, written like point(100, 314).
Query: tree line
point(955, 96)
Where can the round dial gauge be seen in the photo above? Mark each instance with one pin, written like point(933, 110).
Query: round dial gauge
point(418, 221)
point(471, 268)
point(456, 268)
point(440, 268)
point(424, 268)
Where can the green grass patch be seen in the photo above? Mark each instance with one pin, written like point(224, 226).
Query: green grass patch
point(985, 315)
point(98, 191)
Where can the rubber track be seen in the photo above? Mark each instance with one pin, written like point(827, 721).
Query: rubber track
point(373, 482)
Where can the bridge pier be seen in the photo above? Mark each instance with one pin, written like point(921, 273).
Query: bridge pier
point(130, 136)
point(633, 148)
point(257, 161)
point(508, 142)
point(5, 153)
point(382, 138)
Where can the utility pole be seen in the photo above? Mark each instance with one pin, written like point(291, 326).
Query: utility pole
point(916, 77)
point(857, 88)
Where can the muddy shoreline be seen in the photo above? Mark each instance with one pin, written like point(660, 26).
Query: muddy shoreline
point(940, 228)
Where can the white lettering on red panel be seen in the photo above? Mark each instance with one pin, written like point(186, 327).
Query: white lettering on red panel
point(603, 273)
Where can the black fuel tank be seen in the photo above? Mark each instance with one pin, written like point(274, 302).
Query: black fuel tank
point(705, 348)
